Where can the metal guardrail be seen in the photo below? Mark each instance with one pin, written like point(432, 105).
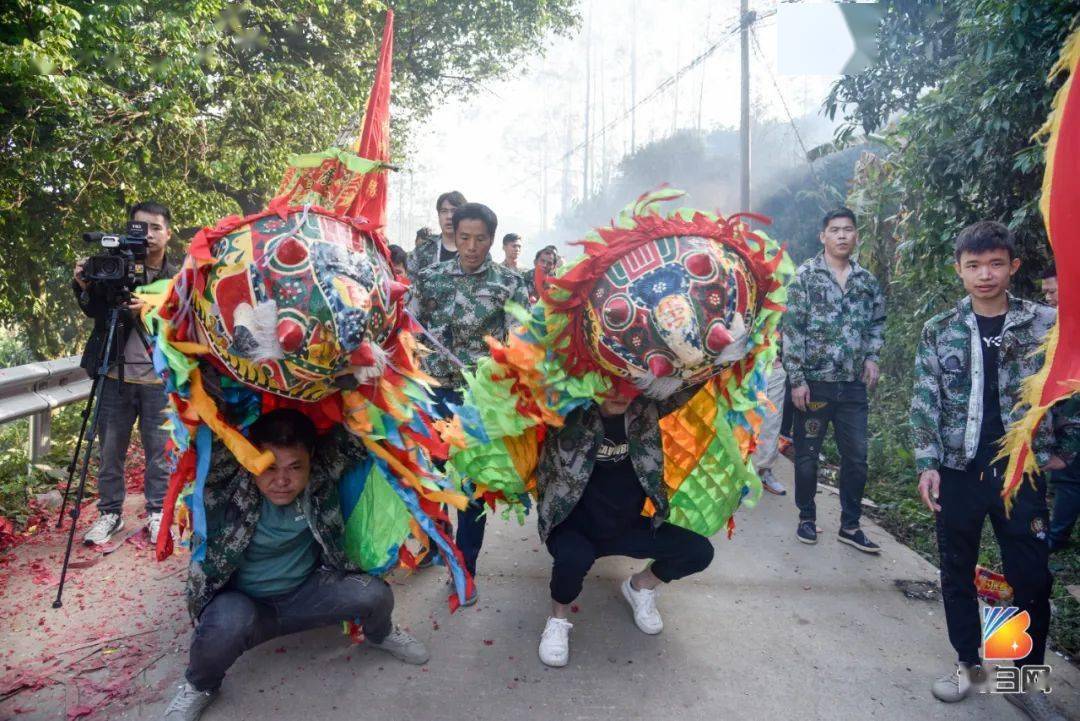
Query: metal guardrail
point(35, 390)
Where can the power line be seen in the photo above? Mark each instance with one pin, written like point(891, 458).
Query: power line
point(733, 27)
point(783, 103)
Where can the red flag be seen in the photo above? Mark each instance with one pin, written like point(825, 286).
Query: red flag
point(1060, 206)
point(374, 140)
point(351, 182)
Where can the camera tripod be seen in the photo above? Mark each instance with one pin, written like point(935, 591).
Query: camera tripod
point(90, 415)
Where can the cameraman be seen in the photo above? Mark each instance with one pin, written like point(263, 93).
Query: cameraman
point(139, 395)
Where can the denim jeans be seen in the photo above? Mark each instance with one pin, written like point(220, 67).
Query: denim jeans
point(1066, 485)
point(233, 622)
point(121, 405)
point(845, 406)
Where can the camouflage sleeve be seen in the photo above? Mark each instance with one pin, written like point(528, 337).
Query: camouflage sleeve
point(1067, 429)
point(877, 326)
point(338, 451)
point(926, 405)
point(413, 302)
point(794, 330)
point(520, 296)
point(412, 263)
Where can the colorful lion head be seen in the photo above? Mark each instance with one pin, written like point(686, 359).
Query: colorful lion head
point(664, 301)
point(297, 303)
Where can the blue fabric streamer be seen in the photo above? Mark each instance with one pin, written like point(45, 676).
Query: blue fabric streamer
point(409, 498)
point(352, 486)
point(203, 438)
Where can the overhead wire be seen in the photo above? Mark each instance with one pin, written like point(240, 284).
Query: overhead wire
point(733, 28)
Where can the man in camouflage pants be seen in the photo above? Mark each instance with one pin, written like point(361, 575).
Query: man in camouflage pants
point(833, 332)
point(460, 302)
point(969, 366)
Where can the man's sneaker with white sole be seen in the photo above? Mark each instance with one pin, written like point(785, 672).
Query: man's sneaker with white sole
point(555, 642)
point(105, 527)
point(959, 684)
point(403, 647)
point(153, 525)
point(643, 604)
point(188, 704)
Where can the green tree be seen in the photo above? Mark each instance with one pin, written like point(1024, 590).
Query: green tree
point(198, 103)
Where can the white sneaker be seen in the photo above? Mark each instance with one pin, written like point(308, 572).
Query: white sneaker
point(105, 527)
point(959, 684)
point(555, 642)
point(188, 704)
point(153, 524)
point(403, 647)
point(643, 604)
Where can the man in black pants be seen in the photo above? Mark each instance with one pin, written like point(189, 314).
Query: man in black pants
point(968, 370)
point(594, 477)
point(833, 333)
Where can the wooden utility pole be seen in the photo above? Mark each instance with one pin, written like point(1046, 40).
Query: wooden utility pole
point(588, 99)
point(744, 109)
point(633, 76)
point(744, 22)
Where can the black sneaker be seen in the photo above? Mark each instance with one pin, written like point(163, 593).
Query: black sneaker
point(428, 560)
point(807, 532)
point(859, 540)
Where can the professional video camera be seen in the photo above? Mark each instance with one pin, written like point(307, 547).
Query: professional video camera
point(123, 266)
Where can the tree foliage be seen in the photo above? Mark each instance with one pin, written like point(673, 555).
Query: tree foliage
point(198, 103)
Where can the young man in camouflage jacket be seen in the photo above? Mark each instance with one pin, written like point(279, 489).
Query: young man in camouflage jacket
point(434, 249)
point(459, 303)
point(594, 477)
point(969, 366)
point(833, 332)
point(275, 561)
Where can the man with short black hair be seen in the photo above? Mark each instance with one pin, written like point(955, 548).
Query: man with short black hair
point(440, 248)
point(275, 560)
point(546, 259)
point(511, 243)
point(1050, 286)
point(131, 393)
point(460, 302)
point(833, 332)
point(969, 366)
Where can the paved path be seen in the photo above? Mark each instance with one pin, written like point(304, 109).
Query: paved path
point(773, 630)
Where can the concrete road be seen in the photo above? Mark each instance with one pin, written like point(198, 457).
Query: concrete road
point(773, 630)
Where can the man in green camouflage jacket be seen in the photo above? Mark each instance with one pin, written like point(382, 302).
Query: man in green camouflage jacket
point(459, 303)
point(594, 477)
point(274, 559)
point(969, 366)
point(833, 332)
point(434, 249)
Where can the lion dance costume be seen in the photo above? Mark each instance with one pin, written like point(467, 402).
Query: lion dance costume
point(657, 303)
point(297, 307)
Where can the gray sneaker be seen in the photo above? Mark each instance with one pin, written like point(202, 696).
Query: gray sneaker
point(1036, 705)
point(105, 527)
point(959, 684)
point(188, 704)
point(770, 484)
point(403, 647)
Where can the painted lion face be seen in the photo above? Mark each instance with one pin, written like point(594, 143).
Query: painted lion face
point(675, 308)
point(293, 305)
